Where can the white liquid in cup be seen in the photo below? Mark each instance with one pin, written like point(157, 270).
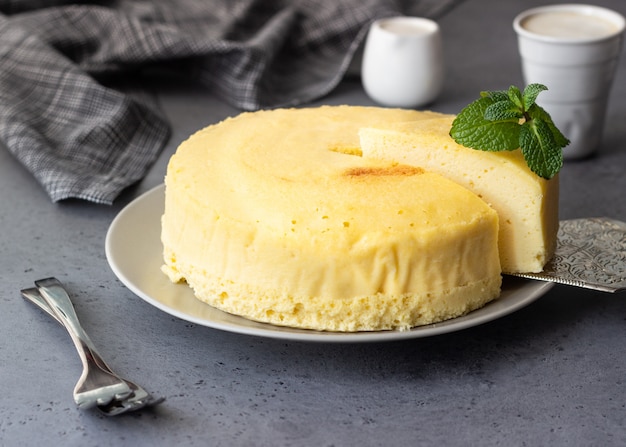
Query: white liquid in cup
point(573, 50)
point(406, 27)
point(569, 25)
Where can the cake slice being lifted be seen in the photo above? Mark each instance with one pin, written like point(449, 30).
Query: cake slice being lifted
point(526, 203)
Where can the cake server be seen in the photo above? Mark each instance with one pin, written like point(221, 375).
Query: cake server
point(590, 253)
point(98, 385)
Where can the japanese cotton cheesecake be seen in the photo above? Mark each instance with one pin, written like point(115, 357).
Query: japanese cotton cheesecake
point(276, 216)
point(526, 203)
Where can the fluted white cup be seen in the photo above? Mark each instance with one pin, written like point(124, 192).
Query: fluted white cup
point(572, 49)
point(403, 62)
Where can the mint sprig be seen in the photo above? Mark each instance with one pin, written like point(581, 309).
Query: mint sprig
point(508, 120)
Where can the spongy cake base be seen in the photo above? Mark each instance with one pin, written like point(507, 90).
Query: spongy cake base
point(347, 314)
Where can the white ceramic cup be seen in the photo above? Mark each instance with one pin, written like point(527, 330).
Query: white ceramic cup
point(403, 62)
point(573, 50)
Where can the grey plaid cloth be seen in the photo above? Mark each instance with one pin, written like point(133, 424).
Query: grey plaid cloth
point(70, 108)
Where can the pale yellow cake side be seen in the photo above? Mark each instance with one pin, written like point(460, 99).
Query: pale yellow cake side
point(526, 203)
point(271, 216)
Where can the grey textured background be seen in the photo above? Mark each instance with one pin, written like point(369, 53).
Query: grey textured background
point(552, 373)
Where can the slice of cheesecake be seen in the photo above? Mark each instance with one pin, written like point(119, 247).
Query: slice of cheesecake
point(527, 204)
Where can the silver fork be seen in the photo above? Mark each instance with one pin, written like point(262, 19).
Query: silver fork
point(98, 385)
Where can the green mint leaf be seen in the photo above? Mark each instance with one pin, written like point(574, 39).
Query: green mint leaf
point(530, 94)
point(471, 129)
point(515, 96)
point(495, 95)
point(541, 152)
point(508, 120)
point(503, 111)
point(535, 112)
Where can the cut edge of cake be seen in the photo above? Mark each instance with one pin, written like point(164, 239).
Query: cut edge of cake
point(526, 203)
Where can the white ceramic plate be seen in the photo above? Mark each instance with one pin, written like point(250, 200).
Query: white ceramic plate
point(134, 252)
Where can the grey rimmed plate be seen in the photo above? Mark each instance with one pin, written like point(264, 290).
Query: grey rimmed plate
point(134, 252)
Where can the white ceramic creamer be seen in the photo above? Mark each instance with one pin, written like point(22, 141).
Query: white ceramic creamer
point(403, 62)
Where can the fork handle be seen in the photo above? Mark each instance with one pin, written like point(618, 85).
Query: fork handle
point(34, 296)
point(59, 301)
point(89, 390)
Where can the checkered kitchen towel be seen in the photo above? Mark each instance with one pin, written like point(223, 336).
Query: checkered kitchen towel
point(71, 112)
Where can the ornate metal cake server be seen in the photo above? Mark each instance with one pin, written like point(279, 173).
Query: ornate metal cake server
point(590, 253)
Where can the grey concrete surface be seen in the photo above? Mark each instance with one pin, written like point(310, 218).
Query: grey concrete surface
point(551, 374)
